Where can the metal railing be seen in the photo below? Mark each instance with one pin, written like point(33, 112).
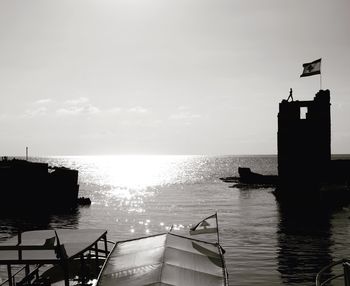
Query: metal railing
point(343, 272)
point(24, 276)
point(12, 280)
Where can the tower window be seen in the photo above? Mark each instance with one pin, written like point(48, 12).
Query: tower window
point(303, 112)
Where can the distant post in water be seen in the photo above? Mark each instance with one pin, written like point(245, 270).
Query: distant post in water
point(27, 153)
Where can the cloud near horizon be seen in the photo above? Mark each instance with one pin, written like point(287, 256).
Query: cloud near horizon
point(77, 106)
point(87, 109)
point(77, 101)
point(138, 109)
point(184, 113)
point(43, 101)
point(30, 113)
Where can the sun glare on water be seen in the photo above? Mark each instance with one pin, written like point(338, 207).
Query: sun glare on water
point(130, 175)
point(127, 182)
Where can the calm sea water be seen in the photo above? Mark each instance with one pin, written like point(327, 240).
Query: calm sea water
point(139, 195)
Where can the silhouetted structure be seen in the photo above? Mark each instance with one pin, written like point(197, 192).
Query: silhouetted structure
point(35, 187)
point(249, 177)
point(304, 150)
point(304, 139)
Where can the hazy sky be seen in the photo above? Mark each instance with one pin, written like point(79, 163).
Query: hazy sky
point(165, 77)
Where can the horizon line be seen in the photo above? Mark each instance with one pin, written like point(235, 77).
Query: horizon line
point(150, 155)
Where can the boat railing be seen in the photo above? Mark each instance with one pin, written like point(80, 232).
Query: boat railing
point(12, 278)
point(24, 276)
point(339, 269)
point(111, 242)
point(23, 271)
point(37, 268)
point(27, 280)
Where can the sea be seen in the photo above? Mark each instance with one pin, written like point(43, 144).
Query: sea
point(139, 195)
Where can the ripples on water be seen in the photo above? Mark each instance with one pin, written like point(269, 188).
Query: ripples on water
point(139, 195)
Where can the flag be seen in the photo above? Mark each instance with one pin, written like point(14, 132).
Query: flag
point(311, 68)
point(208, 225)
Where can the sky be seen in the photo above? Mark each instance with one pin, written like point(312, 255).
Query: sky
point(82, 77)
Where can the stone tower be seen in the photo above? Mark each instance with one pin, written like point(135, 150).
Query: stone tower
point(304, 141)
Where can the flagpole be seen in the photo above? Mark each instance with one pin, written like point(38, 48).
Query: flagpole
point(217, 227)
